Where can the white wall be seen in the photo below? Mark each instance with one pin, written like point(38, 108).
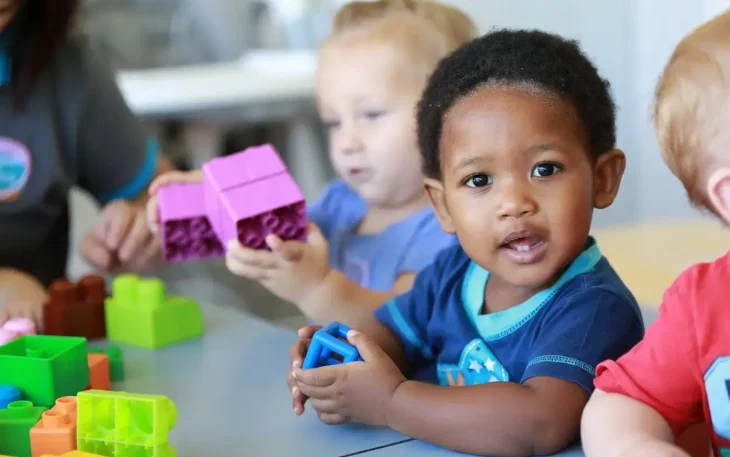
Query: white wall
point(629, 41)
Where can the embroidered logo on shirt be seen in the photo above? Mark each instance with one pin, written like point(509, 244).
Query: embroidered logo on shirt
point(477, 365)
point(15, 166)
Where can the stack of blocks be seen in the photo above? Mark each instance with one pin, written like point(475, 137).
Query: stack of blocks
point(245, 196)
point(76, 309)
point(140, 313)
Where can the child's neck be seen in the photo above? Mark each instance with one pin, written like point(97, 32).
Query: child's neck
point(500, 295)
point(379, 217)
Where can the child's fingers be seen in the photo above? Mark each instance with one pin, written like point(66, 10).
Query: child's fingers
point(245, 270)
point(153, 217)
point(298, 352)
point(291, 251)
point(96, 252)
point(331, 419)
point(135, 240)
point(116, 220)
point(174, 177)
point(308, 331)
point(251, 257)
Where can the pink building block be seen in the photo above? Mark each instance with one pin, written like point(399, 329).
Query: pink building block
point(15, 328)
point(185, 230)
point(251, 194)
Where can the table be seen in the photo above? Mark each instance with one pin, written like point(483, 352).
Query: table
point(231, 396)
point(649, 257)
point(421, 449)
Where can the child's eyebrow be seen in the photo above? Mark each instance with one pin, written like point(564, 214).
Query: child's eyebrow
point(538, 148)
point(468, 161)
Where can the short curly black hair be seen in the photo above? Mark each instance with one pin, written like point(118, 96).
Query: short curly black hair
point(514, 57)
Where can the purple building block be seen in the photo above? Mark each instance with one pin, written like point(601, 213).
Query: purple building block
point(251, 194)
point(185, 229)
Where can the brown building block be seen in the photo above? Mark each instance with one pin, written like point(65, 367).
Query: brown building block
point(76, 309)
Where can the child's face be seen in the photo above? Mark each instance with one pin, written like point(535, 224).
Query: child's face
point(518, 183)
point(367, 102)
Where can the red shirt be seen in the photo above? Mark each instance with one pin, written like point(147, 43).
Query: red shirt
point(682, 367)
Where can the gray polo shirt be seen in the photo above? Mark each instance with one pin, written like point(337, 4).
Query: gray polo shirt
point(75, 130)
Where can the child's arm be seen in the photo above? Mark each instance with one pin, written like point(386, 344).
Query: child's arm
point(615, 425)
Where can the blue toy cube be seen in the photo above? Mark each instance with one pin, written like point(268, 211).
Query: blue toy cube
point(327, 342)
point(8, 394)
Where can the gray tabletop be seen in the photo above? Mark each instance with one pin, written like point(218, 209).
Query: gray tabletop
point(421, 449)
point(231, 395)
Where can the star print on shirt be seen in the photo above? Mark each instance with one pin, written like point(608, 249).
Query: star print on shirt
point(477, 365)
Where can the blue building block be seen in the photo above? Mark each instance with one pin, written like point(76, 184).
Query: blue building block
point(328, 341)
point(8, 394)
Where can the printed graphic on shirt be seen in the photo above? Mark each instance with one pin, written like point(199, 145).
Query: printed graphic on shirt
point(15, 166)
point(717, 388)
point(477, 365)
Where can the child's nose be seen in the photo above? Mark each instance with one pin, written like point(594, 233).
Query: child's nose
point(349, 140)
point(515, 200)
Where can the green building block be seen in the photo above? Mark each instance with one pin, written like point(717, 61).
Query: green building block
point(116, 361)
point(141, 314)
point(15, 424)
point(120, 424)
point(45, 368)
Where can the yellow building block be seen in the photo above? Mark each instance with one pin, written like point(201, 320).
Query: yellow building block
point(71, 454)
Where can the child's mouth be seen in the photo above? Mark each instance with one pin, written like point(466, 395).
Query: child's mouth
point(524, 247)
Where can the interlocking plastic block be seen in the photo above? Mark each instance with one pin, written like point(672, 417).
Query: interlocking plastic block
point(185, 230)
point(15, 328)
point(99, 371)
point(45, 368)
point(116, 361)
point(139, 313)
point(250, 195)
point(15, 424)
point(328, 341)
point(120, 424)
point(8, 394)
point(55, 433)
point(76, 309)
point(73, 454)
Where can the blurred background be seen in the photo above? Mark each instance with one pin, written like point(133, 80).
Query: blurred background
point(212, 77)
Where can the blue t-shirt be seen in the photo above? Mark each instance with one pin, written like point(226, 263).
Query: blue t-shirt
point(564, 331)
point(375, 261)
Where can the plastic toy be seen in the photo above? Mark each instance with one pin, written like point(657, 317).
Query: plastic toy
point(116, 362)
point(139, 313)
point(76, 309)
point(327, 341)
point(45, 368)
point(73, 454)
point(120, 424)
point(251, 194)
point(15, 424)
point(8, 394)
point(186, 231)
point(99, 374)
point(15, 328)
point(55, 433)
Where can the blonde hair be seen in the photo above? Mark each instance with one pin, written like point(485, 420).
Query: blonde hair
point(692, 106)
point(428, 30)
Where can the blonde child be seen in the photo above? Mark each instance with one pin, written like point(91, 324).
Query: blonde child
point(517, 133)
point(678, 375)
point(373, 228)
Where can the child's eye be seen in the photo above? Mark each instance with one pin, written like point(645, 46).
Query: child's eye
point(480, 180)
point(543, 170)
point(373, 114)
point(331, 125)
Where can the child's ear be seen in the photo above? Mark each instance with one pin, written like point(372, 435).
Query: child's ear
point(607, 173)
point(435, 191)
point(718, 190)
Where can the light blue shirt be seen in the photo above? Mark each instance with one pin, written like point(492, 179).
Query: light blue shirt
point(375, 261)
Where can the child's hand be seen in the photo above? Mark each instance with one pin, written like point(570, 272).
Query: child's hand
point(292, 269)
point(153, 216)
point(296, 356)
point(21, 295)
point(358, 391)
point(121, 239)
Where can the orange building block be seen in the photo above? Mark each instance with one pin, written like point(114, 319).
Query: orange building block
point(55, 434)
point(99, 372)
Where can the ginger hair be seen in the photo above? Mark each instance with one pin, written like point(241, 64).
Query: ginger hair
point(692, 107)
